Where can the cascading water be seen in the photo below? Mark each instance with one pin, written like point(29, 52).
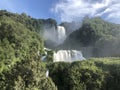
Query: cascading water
point(61, 34)
point(54, 36)
point(58, 36)
point(67, 56)
point(47, 73)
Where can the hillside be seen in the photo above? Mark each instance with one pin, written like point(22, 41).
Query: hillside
point(22, 49)
point(33, 24)
point(20, 63)
point(97, 36)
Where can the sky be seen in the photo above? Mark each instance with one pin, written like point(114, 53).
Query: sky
point(65, 10)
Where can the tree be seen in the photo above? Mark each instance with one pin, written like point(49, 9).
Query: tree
point(84, 76)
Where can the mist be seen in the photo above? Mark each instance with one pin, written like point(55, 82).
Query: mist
point(54, 35)
point(71, 26)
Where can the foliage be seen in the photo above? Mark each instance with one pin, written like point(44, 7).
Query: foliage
point(111, 67)
point(21, 48)
point(35, 25)
point(57, 73)
point(26, 75)
point(16, 42)
point(92, 74)
point(84, 76)
point(76, 76)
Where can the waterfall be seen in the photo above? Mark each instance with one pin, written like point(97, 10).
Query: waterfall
point(47, 73)
point(54, 36)
point(61, 34)
point(67, 56)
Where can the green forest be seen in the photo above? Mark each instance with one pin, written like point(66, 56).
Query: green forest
point(22, 46)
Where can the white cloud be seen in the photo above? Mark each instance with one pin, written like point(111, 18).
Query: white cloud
point(71, 10)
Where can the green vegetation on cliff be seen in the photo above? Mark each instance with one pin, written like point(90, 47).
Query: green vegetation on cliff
point(21, 49)
point(103, 37)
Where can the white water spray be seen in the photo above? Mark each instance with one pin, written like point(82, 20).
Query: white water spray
point(61, 34)
point(47, 73)
point(67, 56)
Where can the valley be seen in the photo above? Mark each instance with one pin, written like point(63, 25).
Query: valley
point(40, 54)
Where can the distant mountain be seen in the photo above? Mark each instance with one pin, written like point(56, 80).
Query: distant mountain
point(96, 36)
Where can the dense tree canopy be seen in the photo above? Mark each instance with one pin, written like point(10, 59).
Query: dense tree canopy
point(20, 63)
point(92, 74)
